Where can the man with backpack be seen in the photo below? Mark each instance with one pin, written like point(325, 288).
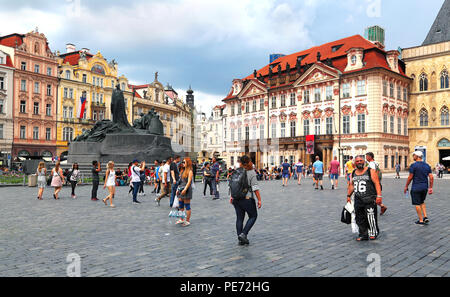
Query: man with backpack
point(243, 188)
point(375, 169)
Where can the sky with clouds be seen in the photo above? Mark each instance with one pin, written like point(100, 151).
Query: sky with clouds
point(208, 43)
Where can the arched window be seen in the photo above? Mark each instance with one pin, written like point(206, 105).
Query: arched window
point(423, 82)
point(67, 74)
point(444, 116)
point(423, 117)
point(67, 134)
point(444, 79)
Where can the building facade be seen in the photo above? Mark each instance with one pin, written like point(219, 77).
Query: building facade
point(213, 133)
point(350, 95)
point(429, 66)
point(173, 112)
point(6, 104)
point(86, 83)
point(35, 91)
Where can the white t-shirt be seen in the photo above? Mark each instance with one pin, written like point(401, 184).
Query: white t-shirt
point(135, 174)
point(166, 169)
point(373, 165)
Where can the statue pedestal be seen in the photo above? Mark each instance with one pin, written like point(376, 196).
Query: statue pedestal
point(122, 148)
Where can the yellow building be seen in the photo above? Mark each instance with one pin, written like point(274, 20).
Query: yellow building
point(429, 66)
point(84, 75)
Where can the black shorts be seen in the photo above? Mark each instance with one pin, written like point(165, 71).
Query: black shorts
point(418, 197)
point(318, 176)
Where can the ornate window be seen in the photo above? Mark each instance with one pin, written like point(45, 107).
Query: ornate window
point(67, 134)
point(346, 124)
point(444, 79)
point(423, 82)
point(305, 127)
point(361, 123)
point(292, 99)
point(283, 100)
point(444, 116)
point(67, 74)
point(423, 116)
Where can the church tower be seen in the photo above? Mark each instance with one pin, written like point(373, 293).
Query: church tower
point(190, 98)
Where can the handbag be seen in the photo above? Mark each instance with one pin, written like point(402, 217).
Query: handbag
point(176, 202)
point(49, 180)
point(346, 216)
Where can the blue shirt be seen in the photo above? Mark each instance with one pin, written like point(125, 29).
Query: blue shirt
point(420, 170)
point(156, 172)
point(318, 167)
point(286, 167)
point(214, 168)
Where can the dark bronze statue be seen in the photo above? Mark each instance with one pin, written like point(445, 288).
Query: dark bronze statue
point(118, 113)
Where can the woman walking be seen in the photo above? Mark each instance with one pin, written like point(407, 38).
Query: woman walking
point(184, 191)
point(41, 180)
point(74, 177)
point(57, 179)
point(207, 178)
point(110, 183)
point(247, 204)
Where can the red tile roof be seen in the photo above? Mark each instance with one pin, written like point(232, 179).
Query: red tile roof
point(10, 40)
point(137, 87)
point(136, 94)
point(8, 61)
point(73, 57)
point(374, 57)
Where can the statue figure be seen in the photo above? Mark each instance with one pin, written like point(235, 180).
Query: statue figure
point(119, 116)
point(138, 123)
point(156, 126)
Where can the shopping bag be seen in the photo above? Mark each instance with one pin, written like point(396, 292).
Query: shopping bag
point(346, 217)
point(176, 202)
point(355, 228)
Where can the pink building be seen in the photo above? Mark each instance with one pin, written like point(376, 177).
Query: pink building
point(35, 87)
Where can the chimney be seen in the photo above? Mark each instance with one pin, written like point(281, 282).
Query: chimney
point(70, 48)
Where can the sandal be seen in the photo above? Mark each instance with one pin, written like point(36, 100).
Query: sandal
point(104, 201)
point(179, 222)
point(362, 239)
point(185, 224)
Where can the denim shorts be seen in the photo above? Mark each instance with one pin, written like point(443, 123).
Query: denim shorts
point(418, 197)
point(334, 176)
point(285, 175)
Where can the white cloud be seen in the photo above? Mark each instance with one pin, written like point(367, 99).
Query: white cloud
point(204, 102)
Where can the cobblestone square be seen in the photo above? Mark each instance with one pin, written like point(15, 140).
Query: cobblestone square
point(298, 233)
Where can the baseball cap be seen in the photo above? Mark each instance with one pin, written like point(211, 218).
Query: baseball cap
point(418, 154)
point(135, 161)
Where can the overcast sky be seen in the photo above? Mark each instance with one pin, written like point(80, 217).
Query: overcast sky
point(208, 43)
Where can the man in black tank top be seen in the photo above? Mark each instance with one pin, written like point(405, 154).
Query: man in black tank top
point(367, 190)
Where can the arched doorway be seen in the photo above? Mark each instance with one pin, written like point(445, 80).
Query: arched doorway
point(444, 152)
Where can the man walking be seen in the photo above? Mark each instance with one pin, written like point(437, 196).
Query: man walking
point(136, 178)
point(367, 191)
point(286, 172)
point(397, 170)
point(334, 173)
point(375, 169)
point(165, 180)
point(299, 170)
point(95, 179)
point(349, 167)
point(174, 176)
point(419, 173)
point(318, 173)
point(215, 170)
point(157, 181)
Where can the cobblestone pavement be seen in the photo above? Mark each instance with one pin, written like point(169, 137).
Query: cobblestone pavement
point(298, 233)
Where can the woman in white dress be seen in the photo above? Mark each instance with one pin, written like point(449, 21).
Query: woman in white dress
point(41, 180)
point(110, 183)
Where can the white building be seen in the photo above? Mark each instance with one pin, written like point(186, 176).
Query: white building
point(6, 104)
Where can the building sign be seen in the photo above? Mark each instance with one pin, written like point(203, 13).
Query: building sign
point(310, 144)
point(444, 143)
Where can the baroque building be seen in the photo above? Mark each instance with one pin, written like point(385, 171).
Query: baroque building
point(175, 114)
point(349, 95)
point(429, 67)
point(86, 82)
point(35, 91)
point(213, 132)
point(6, 104)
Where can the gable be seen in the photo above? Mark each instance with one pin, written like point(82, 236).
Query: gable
point(252, 88)
point(316, 74)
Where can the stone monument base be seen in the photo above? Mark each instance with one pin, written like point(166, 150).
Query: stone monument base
point(122, 148)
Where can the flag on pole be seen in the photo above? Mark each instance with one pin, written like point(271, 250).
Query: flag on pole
point(81, 106)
